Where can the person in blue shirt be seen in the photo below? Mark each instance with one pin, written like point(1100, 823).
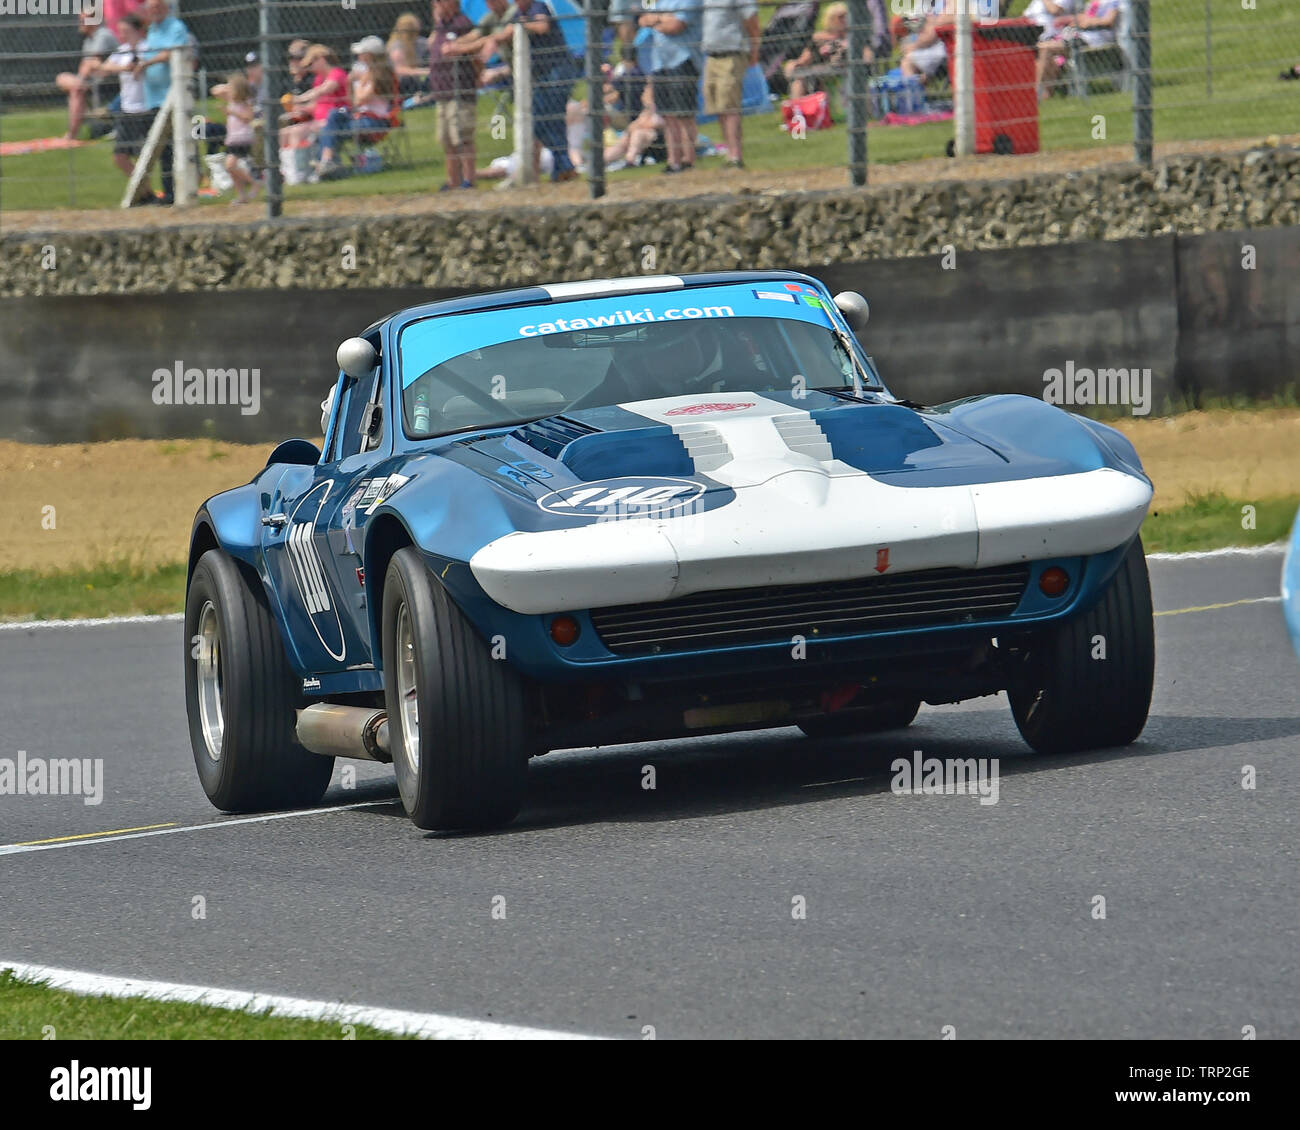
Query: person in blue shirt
point(554, 72)
point(675, 76)
point(166, 33)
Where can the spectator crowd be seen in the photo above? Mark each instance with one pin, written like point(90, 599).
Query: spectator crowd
point(665, 63)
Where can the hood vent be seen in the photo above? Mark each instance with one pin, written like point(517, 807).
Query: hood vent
point(551, 435)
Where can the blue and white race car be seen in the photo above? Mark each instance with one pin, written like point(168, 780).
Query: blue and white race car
point(641, 508)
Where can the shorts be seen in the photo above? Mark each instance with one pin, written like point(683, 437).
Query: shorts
point(457, 119)
point(676, 90)
point(927, 60)
point(724, 78)
point(131, 130)
point(239, 150)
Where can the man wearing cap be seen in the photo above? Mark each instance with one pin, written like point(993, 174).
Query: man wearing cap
point(730, 41)
point(453, 82)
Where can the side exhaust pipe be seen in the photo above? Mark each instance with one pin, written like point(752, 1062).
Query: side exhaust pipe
point(344, 731)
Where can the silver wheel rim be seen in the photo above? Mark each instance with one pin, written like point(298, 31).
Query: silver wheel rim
point(208, 660)
point(407, 691)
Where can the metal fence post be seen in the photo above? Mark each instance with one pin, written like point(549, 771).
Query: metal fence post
point(856, 83)
point(273, 87)
point(963, 84)
point(1143, 126)
point(521, 68)
point(595, 13)
point(184, 147)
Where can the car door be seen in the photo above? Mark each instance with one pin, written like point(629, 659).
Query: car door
point(311, 544)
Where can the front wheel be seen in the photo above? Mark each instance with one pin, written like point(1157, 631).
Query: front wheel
point(458, 717)
point(1086, 684)
point(242, 697)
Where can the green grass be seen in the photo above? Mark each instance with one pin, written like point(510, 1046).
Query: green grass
point(29, 1010)
point(1206, 522)
point(1211, 521)
point(1247, 100)
point(106, 590)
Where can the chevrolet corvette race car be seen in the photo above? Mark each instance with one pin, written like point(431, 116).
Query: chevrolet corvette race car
point(643, 508)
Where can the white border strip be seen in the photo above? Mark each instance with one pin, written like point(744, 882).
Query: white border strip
point(27, 625)
point(1273, 547)
point(426, 1025)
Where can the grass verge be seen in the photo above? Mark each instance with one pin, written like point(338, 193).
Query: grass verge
point(105, 590)
point(29, 1008)
point(1213, 521)
point(1204, 521)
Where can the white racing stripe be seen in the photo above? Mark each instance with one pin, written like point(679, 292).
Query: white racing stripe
point(427, 1025)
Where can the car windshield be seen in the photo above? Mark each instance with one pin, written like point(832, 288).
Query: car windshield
point(492, 368)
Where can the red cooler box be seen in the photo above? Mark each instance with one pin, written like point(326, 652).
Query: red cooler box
point(1003, 53)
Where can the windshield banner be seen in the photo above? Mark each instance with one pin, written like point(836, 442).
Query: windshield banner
point(435, 340)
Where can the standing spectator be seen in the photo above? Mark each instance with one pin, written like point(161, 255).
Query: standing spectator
point(675, 75)
point(98, 44)
point(241, 109)
point(453, 82)
point(408, 54)
point(494, 35)
point(553, 72)
point(730, 42)
point(131, 122)
point(166, 33)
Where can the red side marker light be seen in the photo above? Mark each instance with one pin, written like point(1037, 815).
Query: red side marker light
point(565, 630)
point(1054, 581)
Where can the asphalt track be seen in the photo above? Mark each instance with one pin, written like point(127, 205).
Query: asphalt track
point(673, 908)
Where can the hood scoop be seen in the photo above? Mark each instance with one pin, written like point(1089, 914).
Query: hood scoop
point(553, 434)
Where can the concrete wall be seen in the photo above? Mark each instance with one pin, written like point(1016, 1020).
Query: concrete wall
point(80, 367)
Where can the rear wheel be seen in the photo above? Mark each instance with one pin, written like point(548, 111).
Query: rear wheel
point(242, 696)
point(458, 718)
point(867, 720)
point(1087, 683)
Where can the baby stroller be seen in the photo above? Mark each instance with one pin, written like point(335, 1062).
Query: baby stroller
point(785, 37)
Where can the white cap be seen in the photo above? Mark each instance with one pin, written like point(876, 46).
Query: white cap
point(370, 45)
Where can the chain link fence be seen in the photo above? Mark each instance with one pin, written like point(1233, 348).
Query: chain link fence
point(302, 98)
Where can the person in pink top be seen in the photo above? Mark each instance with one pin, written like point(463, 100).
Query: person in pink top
point(114, 10)
point(329, 90)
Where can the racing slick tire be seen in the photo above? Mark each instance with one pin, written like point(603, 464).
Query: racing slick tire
point(457, 718)
point(1067, 700)
point(242, 696)
point(869, 720)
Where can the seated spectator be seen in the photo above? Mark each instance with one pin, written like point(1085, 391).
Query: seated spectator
point(300, 76)
point(329, 92)
point(1097, 26)
point(374, 101)
point(1046, 13)
point(825, 54)
point(98, 43)
point(132, 121)
point(927, 53)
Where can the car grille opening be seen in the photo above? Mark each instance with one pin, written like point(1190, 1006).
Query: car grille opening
point(827, 610)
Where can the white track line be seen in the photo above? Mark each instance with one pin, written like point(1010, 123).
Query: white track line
point(428, 1025)
point(1276, 547)
point(109, 838)
point(1273, 547)
point(27, 625)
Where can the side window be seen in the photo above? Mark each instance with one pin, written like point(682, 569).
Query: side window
point(352, 413)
